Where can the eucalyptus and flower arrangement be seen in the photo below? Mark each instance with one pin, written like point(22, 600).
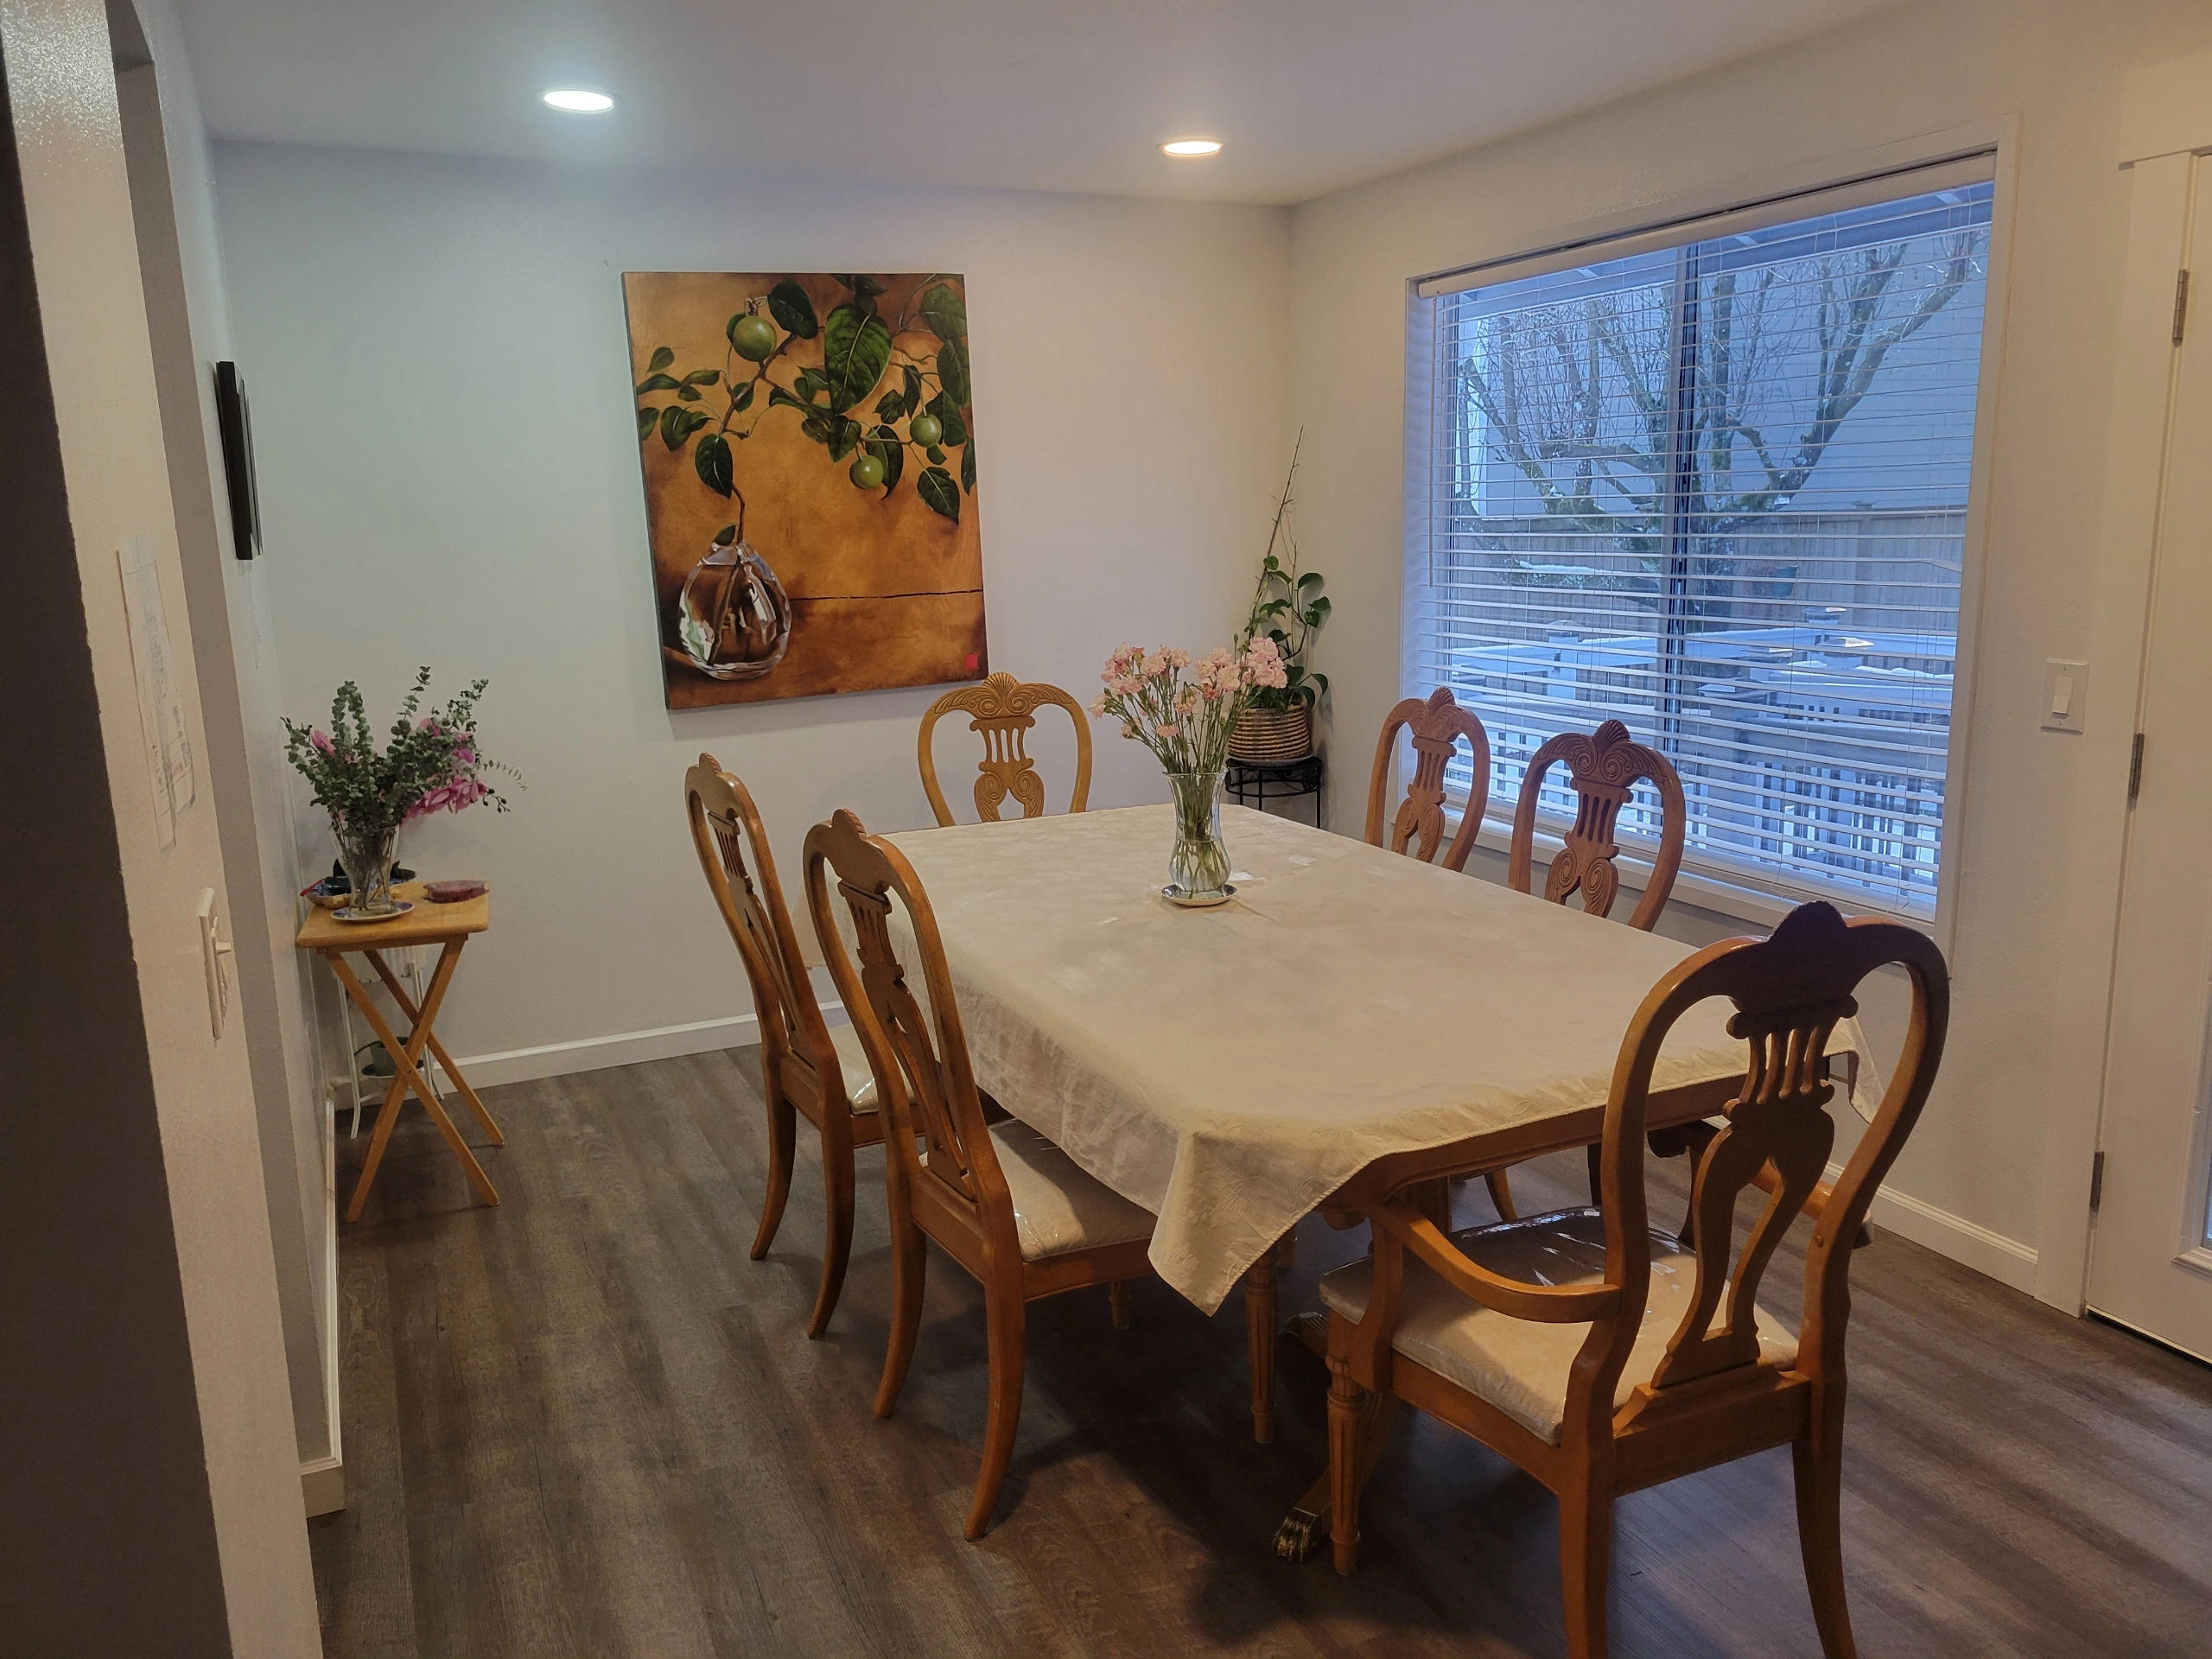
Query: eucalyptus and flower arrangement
point(430, 763)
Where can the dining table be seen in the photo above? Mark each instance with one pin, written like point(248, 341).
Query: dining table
point(1352, 1025)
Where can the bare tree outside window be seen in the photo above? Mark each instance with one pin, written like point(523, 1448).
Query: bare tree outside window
point(1719, 491)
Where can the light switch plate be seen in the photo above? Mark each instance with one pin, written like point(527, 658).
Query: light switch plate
point(2065, 694)
point(215, 953)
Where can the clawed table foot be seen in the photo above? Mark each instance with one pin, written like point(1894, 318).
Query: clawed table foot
point(1306, 1527)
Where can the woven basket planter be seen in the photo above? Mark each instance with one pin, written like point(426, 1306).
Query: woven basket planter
point(1273, 735)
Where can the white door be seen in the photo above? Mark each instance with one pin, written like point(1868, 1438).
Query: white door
point(2150, 1265)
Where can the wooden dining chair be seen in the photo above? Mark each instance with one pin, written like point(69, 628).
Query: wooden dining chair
point(1435, 728)
point(1604, 1355)
point(807, 1067)
point(1602, 768)
point(1004, 709)
point(1004, 1202)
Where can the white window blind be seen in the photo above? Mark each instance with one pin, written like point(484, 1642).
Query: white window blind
point(1713, 484)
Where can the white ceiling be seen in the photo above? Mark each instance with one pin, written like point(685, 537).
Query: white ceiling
point(1308, 95)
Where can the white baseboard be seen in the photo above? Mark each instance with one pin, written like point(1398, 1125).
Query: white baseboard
point(620, 1048)
point(322, 1485)
point(2005, 1260)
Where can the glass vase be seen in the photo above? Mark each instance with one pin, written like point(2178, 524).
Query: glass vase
point(1197, 870)
point(368, 856)
point(733, 619)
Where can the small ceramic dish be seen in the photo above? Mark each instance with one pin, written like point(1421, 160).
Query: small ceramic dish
point(1175, 895)
point(399, 908)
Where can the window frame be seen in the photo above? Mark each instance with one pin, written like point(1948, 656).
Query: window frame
point(1887, 172)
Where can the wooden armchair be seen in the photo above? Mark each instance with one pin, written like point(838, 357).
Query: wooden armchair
point(1601, 769)
point(1000, 1199)
point(1436, 726)
point(1003, 709)
point(1611, 1373)
point(807, 1067)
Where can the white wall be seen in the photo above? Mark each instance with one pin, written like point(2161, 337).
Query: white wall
point(128, 1133)
point(188, 311)
point(450, 475)
point(1920, 70)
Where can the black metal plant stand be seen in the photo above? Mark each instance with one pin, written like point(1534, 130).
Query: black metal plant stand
point(1254, 783)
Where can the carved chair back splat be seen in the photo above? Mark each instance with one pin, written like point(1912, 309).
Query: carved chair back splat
point(1601, 767)
point(1003, 709)
point(1435, 728)
point(800, 1074)
point(944, 1176)
point(1715, 1394)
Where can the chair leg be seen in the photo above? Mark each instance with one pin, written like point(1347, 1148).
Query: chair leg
point(1346, 1401)
point(909, 1270)
point(1586, 1551)
point(837, 1244)
point(1819, 1459)
point(783, 1120)
point(1117, 1298)
point(1501, 1195)
point(1007, 1322)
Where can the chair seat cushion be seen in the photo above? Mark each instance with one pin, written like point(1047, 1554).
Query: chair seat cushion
point(1517, 1365)
point(852, 1060)
point(1059, 1206)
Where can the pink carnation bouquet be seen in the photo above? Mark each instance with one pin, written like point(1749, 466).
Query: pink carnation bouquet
point(1183, 710)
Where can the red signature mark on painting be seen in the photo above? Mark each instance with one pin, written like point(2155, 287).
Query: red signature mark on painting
point(973, 661)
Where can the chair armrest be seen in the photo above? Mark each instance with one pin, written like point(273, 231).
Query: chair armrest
point(1543, 1304)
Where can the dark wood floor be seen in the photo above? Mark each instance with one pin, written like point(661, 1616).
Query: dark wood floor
point(584, 1423)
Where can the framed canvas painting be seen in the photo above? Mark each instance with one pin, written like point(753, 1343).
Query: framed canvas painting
point(809, 451)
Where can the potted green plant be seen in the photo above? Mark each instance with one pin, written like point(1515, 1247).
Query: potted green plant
point(1289, 608)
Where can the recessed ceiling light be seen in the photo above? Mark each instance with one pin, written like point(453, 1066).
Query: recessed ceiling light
point(1191, 147)
point(579, 103)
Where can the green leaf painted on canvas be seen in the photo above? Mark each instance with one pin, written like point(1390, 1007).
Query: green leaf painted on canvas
point(844, 435)
point(955, 429)
point(653, 382)
point(662, 357)
point(703, 376)
point(648, 418)
point(967, 466)
point(713, 460)
point(778, 398)
point(689, 394)
point(726, 535)
point(671, 426)
point(856, 350)
point(946, 312)
point(890, 405)
point(741, 400)
point(788, 305)
point(936, 488)
point(816, 426)
point(913, 387)
point(935, 454)
point(952, 369)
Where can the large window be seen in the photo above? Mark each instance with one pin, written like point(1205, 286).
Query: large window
point(1717, 489)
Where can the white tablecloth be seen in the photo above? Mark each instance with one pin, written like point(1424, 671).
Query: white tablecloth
point(1228, 1069)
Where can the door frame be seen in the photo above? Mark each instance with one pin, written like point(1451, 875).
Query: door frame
point(2166, 123)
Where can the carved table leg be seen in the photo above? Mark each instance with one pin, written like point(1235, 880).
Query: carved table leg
point(1306, 1526)
point(1260, 1339)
